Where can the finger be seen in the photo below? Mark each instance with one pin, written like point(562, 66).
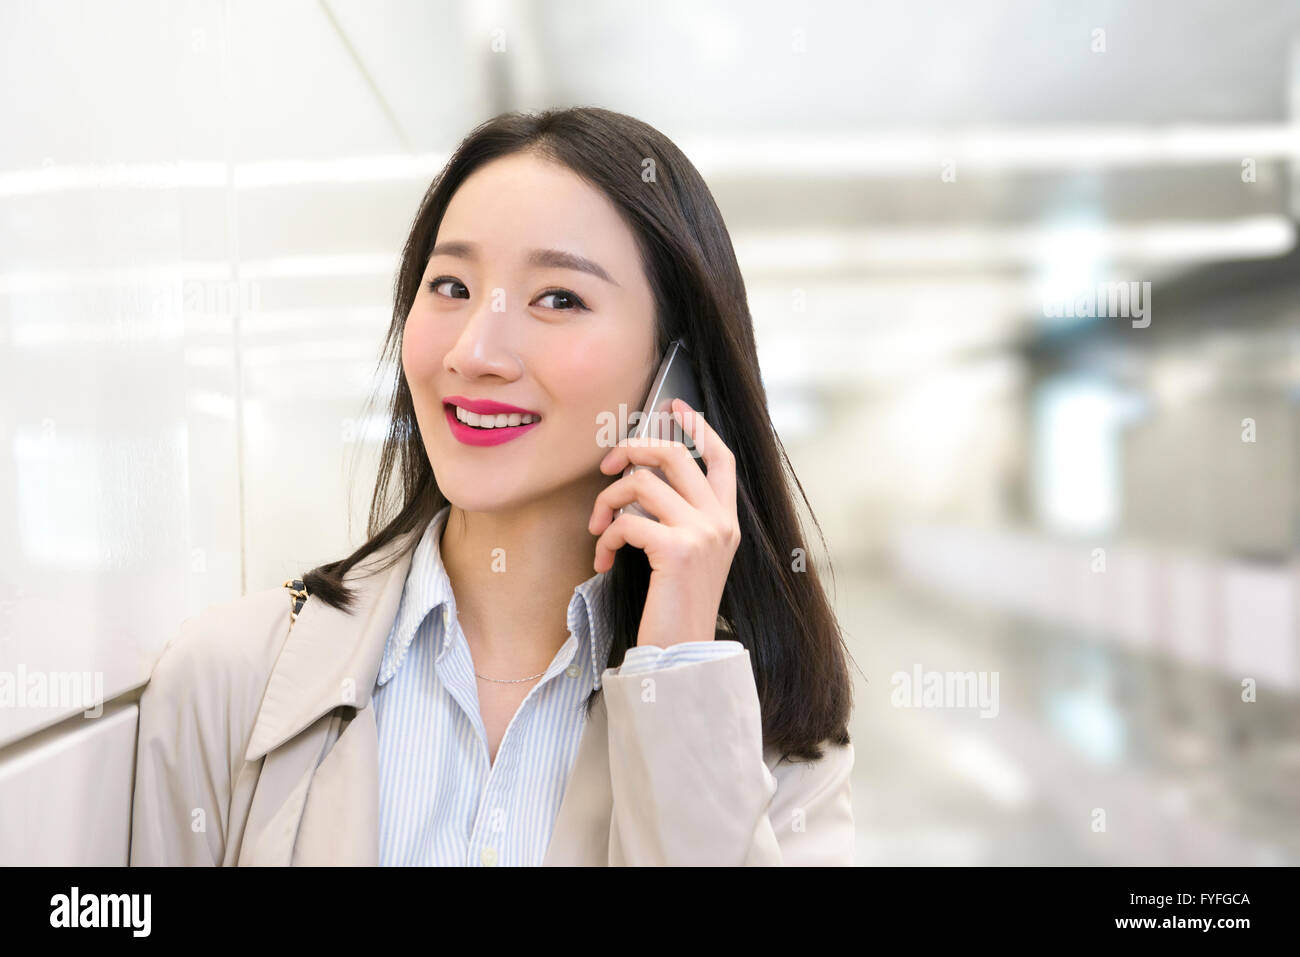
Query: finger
point(627, 529)
point(674, 459)
point(648, 490)
point(717, 456)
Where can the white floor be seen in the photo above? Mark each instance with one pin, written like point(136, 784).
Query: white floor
point(1095, 756)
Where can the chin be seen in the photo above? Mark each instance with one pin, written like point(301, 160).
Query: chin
point(470, 496)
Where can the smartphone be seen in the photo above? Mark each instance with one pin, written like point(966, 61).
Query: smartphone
point(674, 380)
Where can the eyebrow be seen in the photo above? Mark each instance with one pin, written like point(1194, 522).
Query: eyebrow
point(553, 258)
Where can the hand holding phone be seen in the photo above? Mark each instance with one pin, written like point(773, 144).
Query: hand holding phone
point(689, 549)
point(674, 380)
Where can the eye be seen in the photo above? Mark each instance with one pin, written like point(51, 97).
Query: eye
point(564, 294)
point(433, 285)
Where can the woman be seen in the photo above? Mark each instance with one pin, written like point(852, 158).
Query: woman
point(510, 670)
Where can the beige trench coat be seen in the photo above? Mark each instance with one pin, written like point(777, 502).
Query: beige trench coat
point(257, 745)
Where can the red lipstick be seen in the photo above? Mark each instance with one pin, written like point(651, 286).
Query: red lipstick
point(470, 435)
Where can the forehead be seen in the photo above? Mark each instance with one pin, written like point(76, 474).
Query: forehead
point(521, 202)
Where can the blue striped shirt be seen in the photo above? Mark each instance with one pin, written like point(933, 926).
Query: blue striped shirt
point(441, 800)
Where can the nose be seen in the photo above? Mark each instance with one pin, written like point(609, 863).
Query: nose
point(483, 347)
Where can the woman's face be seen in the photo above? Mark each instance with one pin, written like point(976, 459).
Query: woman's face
point(534, 297)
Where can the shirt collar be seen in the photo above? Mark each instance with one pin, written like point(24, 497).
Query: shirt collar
point(428, 589)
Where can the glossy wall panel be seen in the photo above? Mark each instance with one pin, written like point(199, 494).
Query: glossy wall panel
point(195, 284)
point(95, 501)
point(65, 794)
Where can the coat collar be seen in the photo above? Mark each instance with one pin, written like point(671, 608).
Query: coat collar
point(331, 657)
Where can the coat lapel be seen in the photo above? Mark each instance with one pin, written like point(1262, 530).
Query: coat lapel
point(581, 835)
point(316, 799)
point(340, 821)
point(317, 796)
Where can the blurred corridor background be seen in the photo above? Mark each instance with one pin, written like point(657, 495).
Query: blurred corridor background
point(1026, 289)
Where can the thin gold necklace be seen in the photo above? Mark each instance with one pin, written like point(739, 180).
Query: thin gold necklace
point(510, 680)
point(505, 681)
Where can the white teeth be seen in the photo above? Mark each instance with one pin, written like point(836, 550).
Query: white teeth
point(499, 421)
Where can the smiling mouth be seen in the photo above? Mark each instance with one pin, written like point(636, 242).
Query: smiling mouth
point(486, 423)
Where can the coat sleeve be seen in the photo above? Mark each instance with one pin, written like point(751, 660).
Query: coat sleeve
point(182, 774)
point(644, 658)
point(690, 783)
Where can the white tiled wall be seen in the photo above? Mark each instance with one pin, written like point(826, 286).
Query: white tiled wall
point(65, 794)
point(193, 297)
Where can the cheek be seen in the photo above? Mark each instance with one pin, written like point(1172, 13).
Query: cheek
point(598, 375)
point(421, 352)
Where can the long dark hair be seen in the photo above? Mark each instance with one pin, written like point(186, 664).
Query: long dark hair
point(773, 601)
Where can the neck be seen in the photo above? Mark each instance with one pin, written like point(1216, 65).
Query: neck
point(513, 573)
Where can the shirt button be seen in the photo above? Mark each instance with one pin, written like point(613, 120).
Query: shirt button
point(573, 671)
point(488, 857)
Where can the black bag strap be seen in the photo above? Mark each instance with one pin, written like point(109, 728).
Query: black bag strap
point(297, 597)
